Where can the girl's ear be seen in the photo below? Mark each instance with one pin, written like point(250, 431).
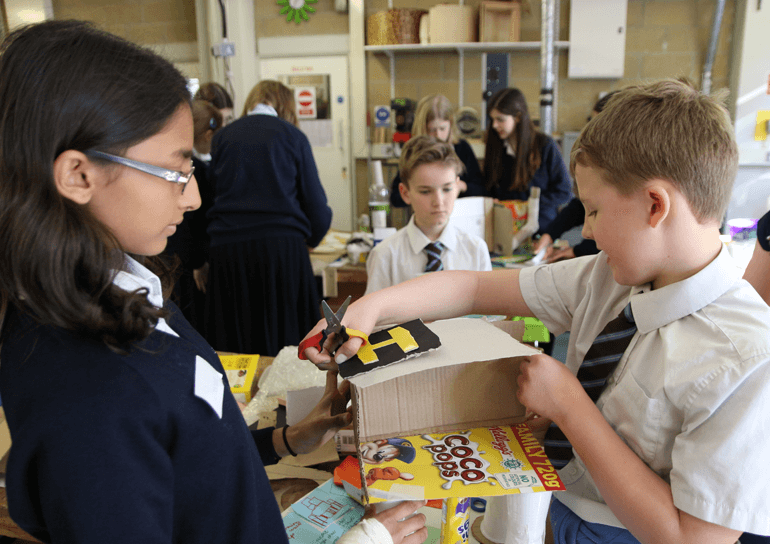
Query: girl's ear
point(75, 176)
point(659, 202)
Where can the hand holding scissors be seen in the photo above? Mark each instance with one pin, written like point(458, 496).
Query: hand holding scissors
point(333, 326)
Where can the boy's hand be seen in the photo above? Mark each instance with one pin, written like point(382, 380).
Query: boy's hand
point(548, 388)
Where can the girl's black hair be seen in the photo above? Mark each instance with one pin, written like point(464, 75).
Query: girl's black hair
point(525, 140)
point(65, 85)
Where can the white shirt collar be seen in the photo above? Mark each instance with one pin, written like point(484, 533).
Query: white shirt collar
point(508, 149)
point(263, 109)
point(655, 308)
point(204, 157)
point(418, 240)
point(137, 276)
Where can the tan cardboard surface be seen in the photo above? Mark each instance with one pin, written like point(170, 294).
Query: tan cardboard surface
point(470, 381)
point(463, 340)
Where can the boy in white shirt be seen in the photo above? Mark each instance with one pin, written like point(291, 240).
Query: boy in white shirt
point(674, 448)
point(430, 171)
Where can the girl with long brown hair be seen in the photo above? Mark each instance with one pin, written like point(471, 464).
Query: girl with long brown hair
point(519, 157)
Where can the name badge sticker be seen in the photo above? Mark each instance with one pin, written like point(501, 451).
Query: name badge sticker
point(208, 385)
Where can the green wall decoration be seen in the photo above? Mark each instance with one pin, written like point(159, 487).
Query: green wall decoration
point(296, 9)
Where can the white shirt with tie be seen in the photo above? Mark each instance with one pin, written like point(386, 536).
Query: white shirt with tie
point(691, 395)
point(400, 257)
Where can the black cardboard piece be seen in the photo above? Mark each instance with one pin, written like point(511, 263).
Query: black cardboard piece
point(390, 346)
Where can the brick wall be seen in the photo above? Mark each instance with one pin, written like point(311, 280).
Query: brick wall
point(148, 22)
point(664, 39)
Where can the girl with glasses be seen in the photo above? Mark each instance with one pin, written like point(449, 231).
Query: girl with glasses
point(123, 427)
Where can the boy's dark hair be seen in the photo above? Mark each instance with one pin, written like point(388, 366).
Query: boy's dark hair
point(425, 149)
point(215, 94)
point(664, 130)
point(64, 85)
point(525, 140)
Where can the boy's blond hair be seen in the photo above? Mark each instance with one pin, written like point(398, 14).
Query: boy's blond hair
point(434, 107)
point(426, 149)
point(664, 130)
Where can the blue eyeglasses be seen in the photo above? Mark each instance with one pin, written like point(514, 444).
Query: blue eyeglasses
point(169, 175)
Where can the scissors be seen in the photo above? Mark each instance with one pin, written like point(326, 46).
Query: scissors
point(333, 325)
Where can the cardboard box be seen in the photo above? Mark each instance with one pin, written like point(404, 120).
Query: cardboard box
point(467, 385)
point(500, 21)
point(448, 23)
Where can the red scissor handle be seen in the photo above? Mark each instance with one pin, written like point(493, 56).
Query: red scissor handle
point(317, 340)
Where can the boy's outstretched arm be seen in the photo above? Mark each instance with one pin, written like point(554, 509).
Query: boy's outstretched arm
point(640, 499)
point(437, 295)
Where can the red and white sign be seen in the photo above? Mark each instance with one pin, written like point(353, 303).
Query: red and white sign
point(305, 98)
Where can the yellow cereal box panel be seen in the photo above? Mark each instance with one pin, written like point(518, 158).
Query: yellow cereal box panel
point(241, 371)
point(479, 462)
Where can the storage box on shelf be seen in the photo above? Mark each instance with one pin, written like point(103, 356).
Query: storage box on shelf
point(500, 21)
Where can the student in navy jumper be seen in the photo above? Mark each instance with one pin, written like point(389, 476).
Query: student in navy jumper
point(570, 216)
point(519, 157)
point(123, 428)
point(269, 207)
point(435, 117)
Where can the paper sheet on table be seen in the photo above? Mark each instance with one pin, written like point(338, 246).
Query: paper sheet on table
point(322, 516)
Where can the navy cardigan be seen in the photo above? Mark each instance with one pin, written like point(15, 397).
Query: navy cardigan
point(265, 183)
point(118, 448)
point(552, 177)
point(572, 215)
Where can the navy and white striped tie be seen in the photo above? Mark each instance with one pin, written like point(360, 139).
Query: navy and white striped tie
point(599, 362)
point(433, 251)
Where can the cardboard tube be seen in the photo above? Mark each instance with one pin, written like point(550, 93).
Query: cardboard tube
point(516, 519)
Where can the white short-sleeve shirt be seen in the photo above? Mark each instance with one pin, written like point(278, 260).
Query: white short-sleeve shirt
point(691, 395)
point(400, 257)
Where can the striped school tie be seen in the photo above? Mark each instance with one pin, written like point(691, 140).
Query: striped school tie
point(433, 251)
point(599, 362)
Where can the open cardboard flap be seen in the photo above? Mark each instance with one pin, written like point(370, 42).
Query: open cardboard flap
point(463, 395)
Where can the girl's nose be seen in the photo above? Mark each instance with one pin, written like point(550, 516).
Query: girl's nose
point(191, 196)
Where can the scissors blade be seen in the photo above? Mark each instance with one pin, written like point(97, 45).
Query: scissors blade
point(332, 322)
point(342, 309)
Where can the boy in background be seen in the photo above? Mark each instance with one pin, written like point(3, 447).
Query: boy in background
point(429, 171)
point(674, 448)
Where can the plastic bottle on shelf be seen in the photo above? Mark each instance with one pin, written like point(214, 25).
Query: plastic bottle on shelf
point(379, 198)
